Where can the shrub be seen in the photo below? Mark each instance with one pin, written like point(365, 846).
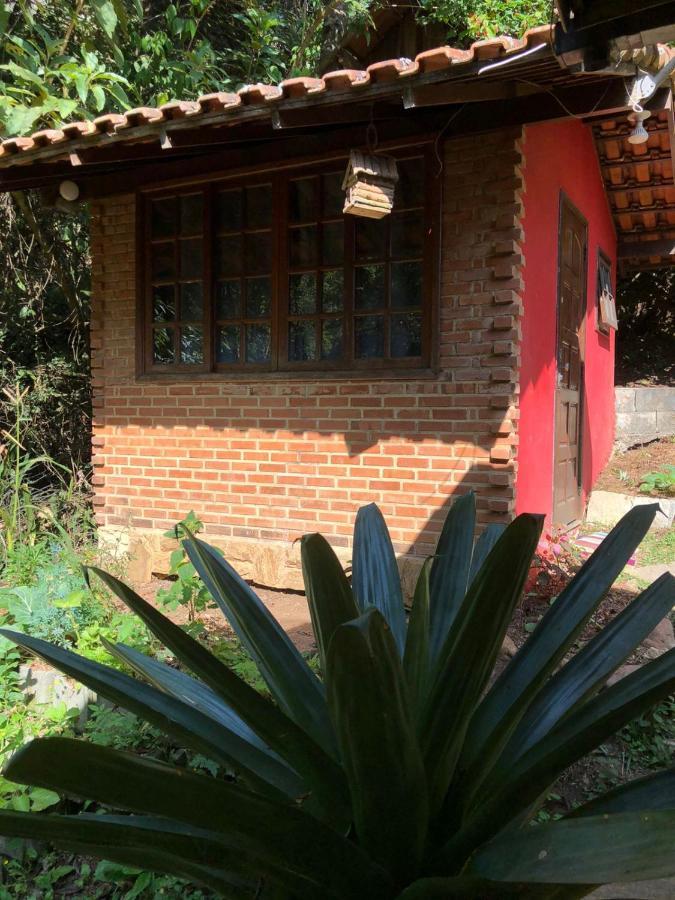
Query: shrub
point(404, 772)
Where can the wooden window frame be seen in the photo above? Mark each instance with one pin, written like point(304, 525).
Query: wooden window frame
point(279, 366)
point(602, 327)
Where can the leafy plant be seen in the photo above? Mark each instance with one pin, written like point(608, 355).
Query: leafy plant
point(662, 482)
point(399, 774)
point(188, 589)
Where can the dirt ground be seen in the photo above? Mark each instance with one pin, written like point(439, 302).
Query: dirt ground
point(625, 470)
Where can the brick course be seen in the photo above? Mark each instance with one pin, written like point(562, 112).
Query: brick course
point(266, 460)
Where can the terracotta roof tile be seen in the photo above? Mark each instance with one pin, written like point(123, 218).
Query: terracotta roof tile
point(345, 81)
point(218, 101)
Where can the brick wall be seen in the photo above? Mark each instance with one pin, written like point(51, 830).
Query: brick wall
point(268, 460)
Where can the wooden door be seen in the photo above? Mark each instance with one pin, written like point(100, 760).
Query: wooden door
point(572, 260)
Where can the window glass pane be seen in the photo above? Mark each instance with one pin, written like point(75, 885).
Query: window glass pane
point(228, 299)
point(368, 336)
point(331, 339)
point(302, 200)
point(333, 246)
point(333, 291)
point(333, 195)
point(229, 213)
point(369, 287)
point(162, 346)
point(228, 342)
point(406, 335)
point(191, 259)
point(191, 345)
point(191, 214)
point(258, 297)
point(258, 253)
point(407, 234)
point(410, 187)
point(302, 294)
point(259, 206)
point(406, 285)
point(163, 217)
point(301, 340)
point(191, 302)
point(302, 246)
point(163, 262)
point(371, 238)
point(163, 303)
point(228, 256)
point(258, 343)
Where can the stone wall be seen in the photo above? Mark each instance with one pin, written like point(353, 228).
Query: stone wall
point(643, 414)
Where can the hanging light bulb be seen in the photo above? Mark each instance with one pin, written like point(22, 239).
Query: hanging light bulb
point(639, 134)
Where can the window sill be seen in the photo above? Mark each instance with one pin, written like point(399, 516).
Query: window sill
point(420, 374)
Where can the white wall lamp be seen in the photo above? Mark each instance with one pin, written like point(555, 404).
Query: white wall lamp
point(69, 191)
point(639, 134)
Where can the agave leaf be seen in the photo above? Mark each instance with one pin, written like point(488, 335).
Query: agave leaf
point(324, 776)
point(375, 577)
point(292, 683)
point(593, 850)
point(450, 570)
point(471, 648)
point(416, 656)
point(508, 792)
point(652, 792)
point(502, 708)
point(330, 597)
point(188, 690)
point(179, 720)
point(467, 887)
point(486, 541)
point(370, 708)
point(590, 668)
point(155, 844)
point(279, 837)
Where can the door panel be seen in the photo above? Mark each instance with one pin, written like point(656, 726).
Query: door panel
point(567, 505)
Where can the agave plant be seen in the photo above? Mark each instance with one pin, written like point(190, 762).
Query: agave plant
point(403, 771)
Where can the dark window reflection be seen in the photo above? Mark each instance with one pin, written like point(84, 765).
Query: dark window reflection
point(191, 259)
point(333, 291)
point(333, 195)
point(191, 345)
point(332, 240)
point(229, 210)
point(228, 256)
point(302, 291)
point(258, 297)
point(406, 285)
point(163, 261)
point(368, 336)
point(407, 234)
point(301, 340)
point(228, 299)
point(369, 289)
point(228, 342)
point(191, 302)
point(191, 214)
point(302, 200)
point(410, 187)
point(258, 253)
point(331, 339)
point(406, 335)
point(163, 303)
point(302, 250)
point(258, 343)
point(163, 218)
point(259, 206)
point(162, 346)
point(371, 238)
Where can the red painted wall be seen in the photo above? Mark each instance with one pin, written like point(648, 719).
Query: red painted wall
point(560, 156)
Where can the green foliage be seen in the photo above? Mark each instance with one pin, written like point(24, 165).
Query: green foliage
point(470, 20)
point(187, 590)
point(404, 746)
point(662, 482)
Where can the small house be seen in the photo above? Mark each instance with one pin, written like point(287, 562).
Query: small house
point(272, 362)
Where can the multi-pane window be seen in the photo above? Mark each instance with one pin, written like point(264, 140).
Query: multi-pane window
point(266, 273)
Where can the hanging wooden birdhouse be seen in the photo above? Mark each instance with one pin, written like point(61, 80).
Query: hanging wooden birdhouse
point(369, 184)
